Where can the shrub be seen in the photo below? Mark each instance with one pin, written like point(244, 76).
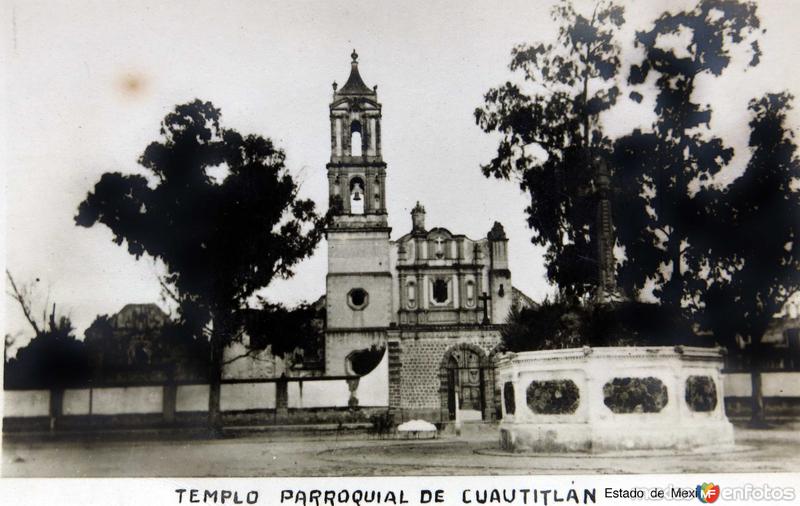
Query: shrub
point(364, 361)
point(381, 423)
point(557, 325)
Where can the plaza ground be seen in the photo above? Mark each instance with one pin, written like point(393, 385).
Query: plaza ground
point(277, 454)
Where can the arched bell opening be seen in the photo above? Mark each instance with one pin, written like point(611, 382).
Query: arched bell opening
point(357, 196)
point(356, 141)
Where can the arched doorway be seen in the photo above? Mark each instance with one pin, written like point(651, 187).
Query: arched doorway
point(464, 379)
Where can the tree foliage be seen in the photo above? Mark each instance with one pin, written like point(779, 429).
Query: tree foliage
point(172, 352)
point(220, 241)
point(567, 85)
point(54, 358)
point(658, 172)
point(365, 360)
point(560, 325)
point(297, 331)
point(725, 254)
point(754, 254)
point(220, 238)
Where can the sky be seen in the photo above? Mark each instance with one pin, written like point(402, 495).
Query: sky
point(85, 85)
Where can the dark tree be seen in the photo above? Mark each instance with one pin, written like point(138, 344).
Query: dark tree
point(754, 253)
point(559, 325)
point(547, 326)
point(54, 358)
point(363, 361)
point(220, 238)
point(567, 85)
point(657, 170)
point(297, 332)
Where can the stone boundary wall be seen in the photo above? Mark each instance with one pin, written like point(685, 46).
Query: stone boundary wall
point(300, 400)
point(774, 384)
point(781, 395)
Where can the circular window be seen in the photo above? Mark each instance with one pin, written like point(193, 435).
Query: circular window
point(358, 298)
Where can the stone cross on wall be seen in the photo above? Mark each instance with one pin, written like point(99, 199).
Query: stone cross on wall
point(485, 298)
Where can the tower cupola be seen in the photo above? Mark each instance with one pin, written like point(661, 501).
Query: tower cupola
point(355, 119)
point(355, 85)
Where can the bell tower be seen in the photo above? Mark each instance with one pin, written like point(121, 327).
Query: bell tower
point(356, 172)
point(359, 281)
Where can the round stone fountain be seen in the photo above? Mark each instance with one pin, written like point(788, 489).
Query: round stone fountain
point(615, 398)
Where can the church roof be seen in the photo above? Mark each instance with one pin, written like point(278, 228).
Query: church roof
point(355, 85)
point(139, 316)
point(520, 300)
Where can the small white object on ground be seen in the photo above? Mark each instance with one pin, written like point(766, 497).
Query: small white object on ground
point(416, 426)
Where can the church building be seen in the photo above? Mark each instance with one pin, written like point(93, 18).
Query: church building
point(434, 299)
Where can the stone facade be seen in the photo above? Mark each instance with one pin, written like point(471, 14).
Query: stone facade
point(446, 279)
point(419, 372)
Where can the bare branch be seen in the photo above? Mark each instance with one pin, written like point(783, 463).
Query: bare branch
point(23, 299)
point(252, 353)
point(167, 290)
point(53, 327)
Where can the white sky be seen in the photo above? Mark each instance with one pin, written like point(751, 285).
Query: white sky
point(70, 115)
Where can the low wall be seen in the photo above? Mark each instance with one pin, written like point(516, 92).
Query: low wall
point(306, 400)
point(247, 396)
point(781, 395)
point(134, 400)
point(26, 403)
point(191, 398)
point(773, 384)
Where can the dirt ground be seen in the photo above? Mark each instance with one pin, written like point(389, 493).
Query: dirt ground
point(264, 455)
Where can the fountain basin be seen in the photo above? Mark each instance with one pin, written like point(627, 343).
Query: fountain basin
point(611, 399)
